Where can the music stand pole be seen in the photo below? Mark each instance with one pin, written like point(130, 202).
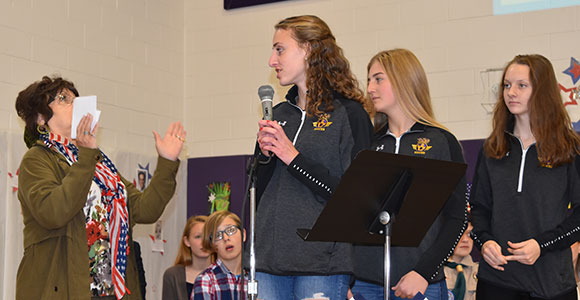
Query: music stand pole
point(252, 282)
point(385, 219)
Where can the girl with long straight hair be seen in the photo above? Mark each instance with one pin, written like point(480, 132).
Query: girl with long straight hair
point(526, 178)
point(192, 258)
point(405, 125)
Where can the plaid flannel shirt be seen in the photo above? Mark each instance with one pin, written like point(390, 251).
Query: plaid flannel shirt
point(217, 283)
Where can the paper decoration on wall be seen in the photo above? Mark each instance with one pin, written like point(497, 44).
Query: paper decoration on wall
point(576, 126)
point(230, 169)
point(157, 238)
point(14, 180)
point(490, 79)
point(573, 92)
point(142, 176)
point(573, 70)
point(219, 196)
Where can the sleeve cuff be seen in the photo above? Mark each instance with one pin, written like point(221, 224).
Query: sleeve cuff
point(168, 164)
point(423, 273)
point(303, 169)
point(89, 156)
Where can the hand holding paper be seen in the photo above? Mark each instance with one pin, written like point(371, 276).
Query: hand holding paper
point(85, 136)
point(81, 107)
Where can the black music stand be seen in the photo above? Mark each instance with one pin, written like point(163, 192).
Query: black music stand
point(376, 188)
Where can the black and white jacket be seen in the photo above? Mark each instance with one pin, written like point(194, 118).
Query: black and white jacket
point(293, 196)
point(517, 198)
point(442, 237)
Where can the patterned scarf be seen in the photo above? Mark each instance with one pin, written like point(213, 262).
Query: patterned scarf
point(113, 196)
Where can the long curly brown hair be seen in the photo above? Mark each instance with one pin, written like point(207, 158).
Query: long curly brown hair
point(328, 70)
point(556, 141)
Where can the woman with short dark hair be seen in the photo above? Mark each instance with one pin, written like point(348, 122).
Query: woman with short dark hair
point(78, 211)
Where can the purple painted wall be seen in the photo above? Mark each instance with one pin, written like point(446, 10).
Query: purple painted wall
point(470, 151)
point(203, 171)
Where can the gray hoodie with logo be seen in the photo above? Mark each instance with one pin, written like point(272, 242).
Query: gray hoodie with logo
point(293, 196)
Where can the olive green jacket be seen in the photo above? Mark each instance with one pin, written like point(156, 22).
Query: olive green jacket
point(52, 194)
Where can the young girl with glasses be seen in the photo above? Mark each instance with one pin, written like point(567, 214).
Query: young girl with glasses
point(222, 235)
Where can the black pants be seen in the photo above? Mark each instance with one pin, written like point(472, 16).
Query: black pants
point(488, 291)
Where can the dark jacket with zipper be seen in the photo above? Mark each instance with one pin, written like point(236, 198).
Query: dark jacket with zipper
point(442, 237)
point(516, 198)
point(293, 196)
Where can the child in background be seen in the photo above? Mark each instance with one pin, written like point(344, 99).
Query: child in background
point(192, 259)
point(575, 254)
point(222, 235)
point(461, 271)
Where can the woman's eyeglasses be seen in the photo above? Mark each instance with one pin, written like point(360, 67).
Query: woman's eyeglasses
point(63, 99)
point(230, 230)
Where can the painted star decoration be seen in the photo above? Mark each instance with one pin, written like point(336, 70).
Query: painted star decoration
point(14, 180)
point(573, 70)
point(574, 92)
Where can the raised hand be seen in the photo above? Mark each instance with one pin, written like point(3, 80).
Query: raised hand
point(170, 145)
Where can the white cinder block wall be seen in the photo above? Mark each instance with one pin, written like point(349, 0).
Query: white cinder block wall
point(226, 55)
point(128, 52)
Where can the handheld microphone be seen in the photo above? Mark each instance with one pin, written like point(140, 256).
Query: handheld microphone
point(266, 93)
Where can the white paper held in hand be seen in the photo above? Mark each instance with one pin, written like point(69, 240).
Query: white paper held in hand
point(81, 107)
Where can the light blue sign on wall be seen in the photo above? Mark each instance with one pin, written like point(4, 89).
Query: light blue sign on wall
point(502, 7)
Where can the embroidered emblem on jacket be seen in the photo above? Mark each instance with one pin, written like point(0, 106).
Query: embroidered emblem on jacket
point(282, 123)
point(322, 122)
point(545, 163)
point(381, 147)
point(422, 146)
